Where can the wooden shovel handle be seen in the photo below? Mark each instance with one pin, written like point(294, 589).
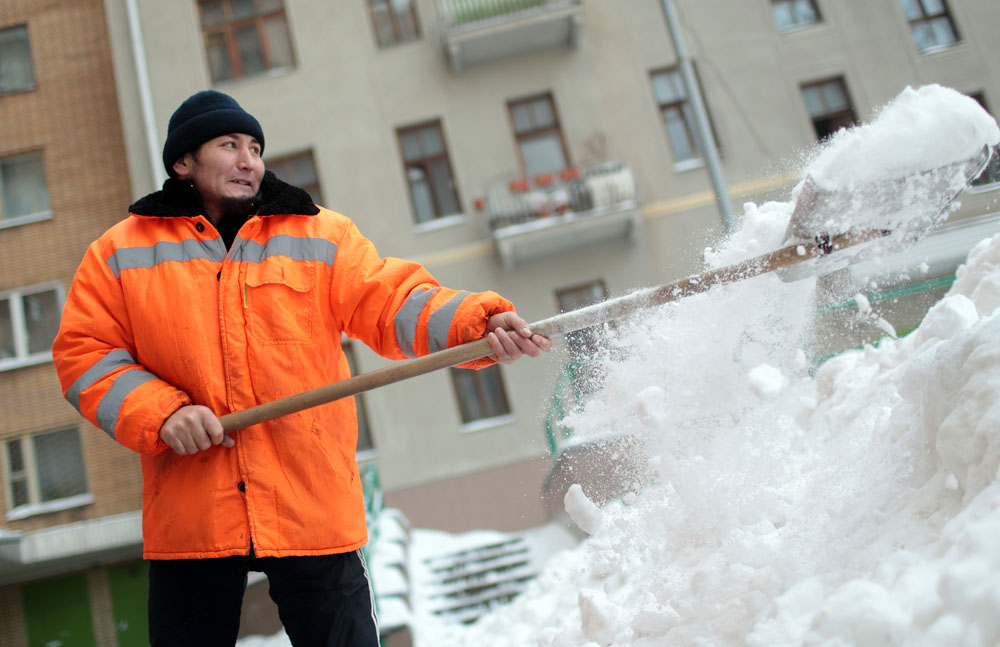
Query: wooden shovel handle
point(562, 323)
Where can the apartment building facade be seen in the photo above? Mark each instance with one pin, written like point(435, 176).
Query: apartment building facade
point(545, 149)
point(70, 496)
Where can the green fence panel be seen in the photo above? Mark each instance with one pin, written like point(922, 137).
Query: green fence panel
point(57, 613)
point(129, 584)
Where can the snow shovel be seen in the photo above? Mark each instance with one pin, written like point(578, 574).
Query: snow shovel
point(896, 221)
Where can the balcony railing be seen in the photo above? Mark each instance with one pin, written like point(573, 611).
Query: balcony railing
point(553, 212)
point(476, 31)
point(464, 12)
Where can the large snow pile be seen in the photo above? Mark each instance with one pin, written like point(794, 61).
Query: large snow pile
point(860, 507)
point(857, 506)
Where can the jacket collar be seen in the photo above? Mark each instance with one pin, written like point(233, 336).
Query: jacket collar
point(179, 198)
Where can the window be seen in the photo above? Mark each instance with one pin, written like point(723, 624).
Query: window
point(29, 320)
point(395, 21)
point(930, 23)
point(583, 344)
point(428, 172)
point(16, 74)
point(539, 137)
point(24, 196)
point(829, 106)
point(365, 443)
point(298, 170)
point(991, 175)
point(45, 472)
point(678, 116)
point(245, 37)
point(481, 394)
point(792, 14)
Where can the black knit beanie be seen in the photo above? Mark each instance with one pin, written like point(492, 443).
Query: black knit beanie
point(203, 116)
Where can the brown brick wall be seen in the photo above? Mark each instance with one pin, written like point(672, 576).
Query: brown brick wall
point(72, 117)
point(13, 632)
point(507, 498)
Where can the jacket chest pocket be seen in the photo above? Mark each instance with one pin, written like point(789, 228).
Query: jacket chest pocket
point(280, 303)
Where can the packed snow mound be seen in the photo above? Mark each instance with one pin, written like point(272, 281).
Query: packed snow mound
point(858, 506)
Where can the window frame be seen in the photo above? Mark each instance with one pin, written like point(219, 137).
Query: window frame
point(395, 19)
point(17, 221)
point(799, 25)
point(33, 85)
point(31, 473)
point(686, 112)
point(19, 331)
point(478, 378)
point(228, 29)
point(555, 128)
point(581, 344)
point(288, 161)
point(926, 18)
point(440, 218)
point(829, 116)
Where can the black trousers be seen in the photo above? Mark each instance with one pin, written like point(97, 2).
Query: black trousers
point(323, 601)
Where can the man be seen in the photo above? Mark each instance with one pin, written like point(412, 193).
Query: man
point(226, 289)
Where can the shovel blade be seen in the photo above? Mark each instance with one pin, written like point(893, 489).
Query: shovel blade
point(906, 208)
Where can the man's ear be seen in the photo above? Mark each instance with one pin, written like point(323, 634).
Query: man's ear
point(184, 165)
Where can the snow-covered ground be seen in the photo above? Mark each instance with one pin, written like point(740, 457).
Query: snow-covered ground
point(857, 504)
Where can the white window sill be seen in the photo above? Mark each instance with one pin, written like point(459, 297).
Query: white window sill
point(937, 49)
point(689, 165)
point(486, 423)
point(13, 363)
point(31, 510)
point(19, 90)
point(24, 220)
point(272, 73)
point(798, 28)
point(440, 223)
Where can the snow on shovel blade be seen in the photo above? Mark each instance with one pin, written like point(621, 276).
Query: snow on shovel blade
point(905, 209)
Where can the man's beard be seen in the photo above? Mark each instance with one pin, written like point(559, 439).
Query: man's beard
point(238, 208)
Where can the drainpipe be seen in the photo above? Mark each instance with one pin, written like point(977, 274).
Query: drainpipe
point(711, 152)
point(159, 175)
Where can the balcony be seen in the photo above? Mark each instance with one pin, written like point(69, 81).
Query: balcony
point(557, 212)
point(478, 31)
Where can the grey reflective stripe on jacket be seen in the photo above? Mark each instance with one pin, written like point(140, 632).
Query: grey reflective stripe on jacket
point(128, 258)
point(110, 405)
point(407, 318)
point(440, 322)
point(295, 248)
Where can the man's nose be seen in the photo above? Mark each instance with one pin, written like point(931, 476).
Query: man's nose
point(245, 157)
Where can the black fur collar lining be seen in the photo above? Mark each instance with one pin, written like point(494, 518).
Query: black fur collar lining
point(179, 198)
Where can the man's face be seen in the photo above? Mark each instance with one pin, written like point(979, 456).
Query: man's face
point(227, 167)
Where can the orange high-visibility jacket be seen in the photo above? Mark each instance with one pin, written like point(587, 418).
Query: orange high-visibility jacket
point(161, 315)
